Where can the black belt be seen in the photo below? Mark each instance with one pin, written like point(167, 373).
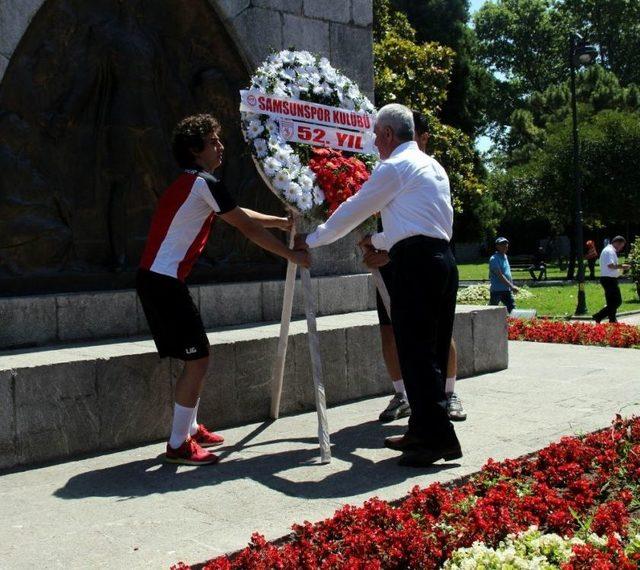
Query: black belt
point(436, 243)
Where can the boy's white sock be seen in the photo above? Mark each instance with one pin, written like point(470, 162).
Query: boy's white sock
point(182, 417)
point(194, 419)
point(450, 386)
point(398, 386)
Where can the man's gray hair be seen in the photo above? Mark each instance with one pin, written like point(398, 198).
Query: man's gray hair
point(399, 118)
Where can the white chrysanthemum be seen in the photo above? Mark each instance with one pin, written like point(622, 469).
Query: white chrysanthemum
point(271, 166)
point(283, 153)
point(353, 91)
point(271, 125)
point(349, 104)
point(254, 128)
point(280, 89)
point(305, 202)
point(282, 179)
point(305, 58)
point(306, 182)
point(261, 147)
point(260, 82)
point(294, 162)
point(286, 56)
point(292, 192)
point(288, 74)
point(314, 78)
point(331, 76)
point(318, 195)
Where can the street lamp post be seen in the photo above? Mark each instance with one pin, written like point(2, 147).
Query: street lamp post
point(580, 54)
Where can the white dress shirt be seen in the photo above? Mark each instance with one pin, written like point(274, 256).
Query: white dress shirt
point(410, 189)
point(609, 255)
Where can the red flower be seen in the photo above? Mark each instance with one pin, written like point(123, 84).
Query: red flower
point(337, 176)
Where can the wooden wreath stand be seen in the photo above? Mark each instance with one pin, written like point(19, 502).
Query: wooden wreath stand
point(314, 349)
point(277, 376)
point(312, 330)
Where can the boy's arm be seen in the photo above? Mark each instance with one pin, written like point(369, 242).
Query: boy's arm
point(267, 221)
point(254, 231)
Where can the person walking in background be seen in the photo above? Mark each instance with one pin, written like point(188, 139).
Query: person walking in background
point(590, 256)
point(501, 286)
point(609, 274)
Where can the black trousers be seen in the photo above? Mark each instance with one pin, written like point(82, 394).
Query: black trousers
point(612, 297)
point(423, 304)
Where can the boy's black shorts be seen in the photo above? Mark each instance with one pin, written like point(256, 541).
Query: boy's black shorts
point(387, 276)
point(173, 318)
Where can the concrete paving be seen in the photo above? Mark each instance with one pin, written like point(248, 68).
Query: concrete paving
point(128, 510)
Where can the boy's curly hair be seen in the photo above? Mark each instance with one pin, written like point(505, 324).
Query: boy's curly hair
point(190, 135)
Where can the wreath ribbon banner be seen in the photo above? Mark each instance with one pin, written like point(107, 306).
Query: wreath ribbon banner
point(321, 135)
point(254, 101)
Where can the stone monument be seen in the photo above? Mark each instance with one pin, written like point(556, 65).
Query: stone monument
point(89, 94)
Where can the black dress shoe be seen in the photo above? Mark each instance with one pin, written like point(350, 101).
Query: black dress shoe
point(425, 456)
point(406, 442)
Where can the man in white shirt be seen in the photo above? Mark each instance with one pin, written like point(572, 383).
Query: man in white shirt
point(609, 273)
point(411, 190)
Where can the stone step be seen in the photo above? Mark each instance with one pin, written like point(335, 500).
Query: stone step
point(43, 320)
point(56, 403)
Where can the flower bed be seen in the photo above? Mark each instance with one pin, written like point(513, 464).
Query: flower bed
point(620, 335)
point(586, 490)
point(480, 294)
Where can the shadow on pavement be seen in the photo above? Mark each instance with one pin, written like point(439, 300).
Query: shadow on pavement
point(246, 460)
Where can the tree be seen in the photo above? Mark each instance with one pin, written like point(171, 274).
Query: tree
point(417, 75)
point(445, 22)
point(525, 44)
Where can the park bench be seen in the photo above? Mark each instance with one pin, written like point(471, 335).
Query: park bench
point(522, 263)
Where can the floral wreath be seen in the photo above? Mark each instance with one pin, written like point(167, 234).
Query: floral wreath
point(313, 180)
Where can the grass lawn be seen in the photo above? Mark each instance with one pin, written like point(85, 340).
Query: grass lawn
point(561, 300)
point(479, 271)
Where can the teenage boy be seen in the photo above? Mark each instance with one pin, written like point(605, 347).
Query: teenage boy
point(399, 407)
point(179, 232)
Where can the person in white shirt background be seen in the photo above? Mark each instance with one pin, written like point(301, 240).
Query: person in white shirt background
point(609, 274)
point(411, 191)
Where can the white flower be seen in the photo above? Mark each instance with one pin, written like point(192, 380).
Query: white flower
point(318, 195)
point(294, 162)
point(271, 125)
point(282, 180)
point(261, 147)
point(282, 153)
point(323, 89)
point(305, 58)
point(292, 192)
point(314, 78)
point(254, 128)
point(271, 166)
point(280, 90)
point(260, 82)
point(306, 182)
point(305, 202)
point(288, 74)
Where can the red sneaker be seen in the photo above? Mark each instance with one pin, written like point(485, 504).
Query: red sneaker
point(205, 438)
point(190, 453)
